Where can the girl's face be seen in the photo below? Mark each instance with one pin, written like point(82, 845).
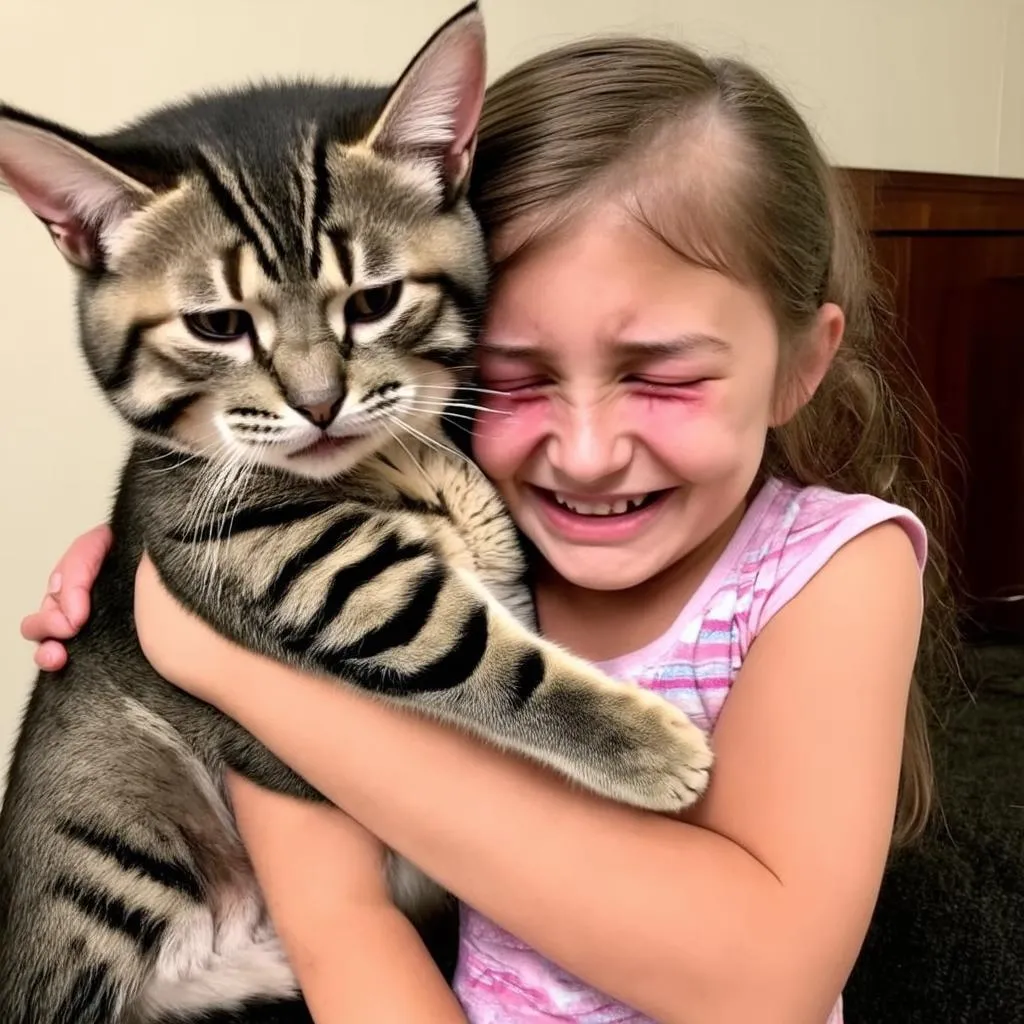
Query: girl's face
point(634, 395)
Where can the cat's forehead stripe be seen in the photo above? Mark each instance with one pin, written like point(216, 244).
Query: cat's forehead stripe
point(254, 210)
point(320, 204)
point(251, 276)
point(305, 200)
point(231, 269)
point(230, 196)
point(342, 253)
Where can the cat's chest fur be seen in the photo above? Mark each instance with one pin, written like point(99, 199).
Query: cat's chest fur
point(225, 949)
point(422, 492)
point(467, 519)
point(222, 954)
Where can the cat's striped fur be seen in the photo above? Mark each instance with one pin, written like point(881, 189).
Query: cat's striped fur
point(279, 291)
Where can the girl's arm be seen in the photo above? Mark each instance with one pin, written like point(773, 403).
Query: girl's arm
point(357, 958)
point(754, 909)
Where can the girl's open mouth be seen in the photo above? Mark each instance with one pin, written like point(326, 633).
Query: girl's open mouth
point(613, 506)
point(600, 519)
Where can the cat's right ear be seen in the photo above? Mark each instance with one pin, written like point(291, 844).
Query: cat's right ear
point(80, 198)
point(433, 112)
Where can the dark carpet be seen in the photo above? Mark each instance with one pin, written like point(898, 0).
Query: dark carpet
point(947, 942)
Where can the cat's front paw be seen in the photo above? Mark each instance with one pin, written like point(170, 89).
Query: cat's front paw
point(624, 743)
point(670, 763)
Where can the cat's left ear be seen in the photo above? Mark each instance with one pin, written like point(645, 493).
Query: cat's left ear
point(433, 111)
point(80, 198)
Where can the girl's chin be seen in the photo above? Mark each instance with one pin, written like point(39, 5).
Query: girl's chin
point(597, 568)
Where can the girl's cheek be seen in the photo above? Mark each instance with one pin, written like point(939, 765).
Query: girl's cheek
point(674, 423)
point(686, 436)
point(506, 434)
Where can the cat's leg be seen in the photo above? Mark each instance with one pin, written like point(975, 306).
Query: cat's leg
point(368, 598)
point(126, 896)
point(528, 695)
point(435, 639)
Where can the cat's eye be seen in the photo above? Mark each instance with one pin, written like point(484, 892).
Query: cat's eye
point(363, 307)
point(220, 324)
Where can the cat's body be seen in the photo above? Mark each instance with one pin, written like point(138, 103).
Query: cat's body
point(266, 318)
point(151, 761)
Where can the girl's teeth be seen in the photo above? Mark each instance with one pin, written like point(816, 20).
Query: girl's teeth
point(601, 508)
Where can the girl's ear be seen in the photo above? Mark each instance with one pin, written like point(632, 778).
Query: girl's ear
point(800, 379)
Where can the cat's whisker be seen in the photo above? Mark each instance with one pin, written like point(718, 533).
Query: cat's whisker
point(166, 454)
point(465, 387)
point(473, 430)
point(207, 453)
point(234, 489)
point(248, 459)
point(439, 403)
point(448, 415)
point(466, 423)
point(182, 457)
point(449, 370)
point(469, 431)
point(433, 442)
point(211, 484)
point(208, 496)
point(404, 448)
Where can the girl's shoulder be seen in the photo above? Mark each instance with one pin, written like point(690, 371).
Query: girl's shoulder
point(793, 530)
point(786, 535)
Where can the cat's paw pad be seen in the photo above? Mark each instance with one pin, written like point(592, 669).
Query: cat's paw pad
point(687, 759)
point(668, 766)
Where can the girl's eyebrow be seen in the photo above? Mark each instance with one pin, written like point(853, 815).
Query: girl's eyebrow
point(684, 345)
point(512, 350)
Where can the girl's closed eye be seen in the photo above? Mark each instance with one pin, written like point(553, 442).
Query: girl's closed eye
point(521, 387)
point(652, 386)
point(513, 373)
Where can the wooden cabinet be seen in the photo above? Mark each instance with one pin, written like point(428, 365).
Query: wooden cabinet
point(951, 250)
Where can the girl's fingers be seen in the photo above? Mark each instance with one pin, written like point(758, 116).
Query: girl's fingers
point(77, 572)
point(51, 656)
point(75, 603)
point(49, 622)
point(65, 608)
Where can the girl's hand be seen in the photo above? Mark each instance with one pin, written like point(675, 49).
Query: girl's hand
point(180, 645)
point(65, 608)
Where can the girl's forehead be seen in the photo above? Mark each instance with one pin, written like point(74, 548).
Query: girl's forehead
point(608, 269)
point(605, 284)
point(610, 241)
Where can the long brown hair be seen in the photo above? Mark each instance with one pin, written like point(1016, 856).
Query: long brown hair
point(714, 159)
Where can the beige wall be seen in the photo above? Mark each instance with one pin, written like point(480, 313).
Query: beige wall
point(911, 84)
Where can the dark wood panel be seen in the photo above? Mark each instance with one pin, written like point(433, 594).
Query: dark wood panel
point(950, 251)
point(994, 513)
point(905, 201)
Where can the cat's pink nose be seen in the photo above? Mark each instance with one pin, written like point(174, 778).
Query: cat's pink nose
point(320, 413)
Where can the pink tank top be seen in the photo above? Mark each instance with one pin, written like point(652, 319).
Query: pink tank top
point(786, 536)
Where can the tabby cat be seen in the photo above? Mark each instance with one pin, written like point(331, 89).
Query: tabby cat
point(279, 290)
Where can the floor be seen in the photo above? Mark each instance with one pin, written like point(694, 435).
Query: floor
point(947, 941)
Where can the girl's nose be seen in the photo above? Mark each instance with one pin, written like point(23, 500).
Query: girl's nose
point(587, 446)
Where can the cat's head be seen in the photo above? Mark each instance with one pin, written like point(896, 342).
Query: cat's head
point(284, 274)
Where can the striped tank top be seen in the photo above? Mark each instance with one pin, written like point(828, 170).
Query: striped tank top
point(787, 535)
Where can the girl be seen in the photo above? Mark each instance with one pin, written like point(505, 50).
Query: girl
point(685, 415)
